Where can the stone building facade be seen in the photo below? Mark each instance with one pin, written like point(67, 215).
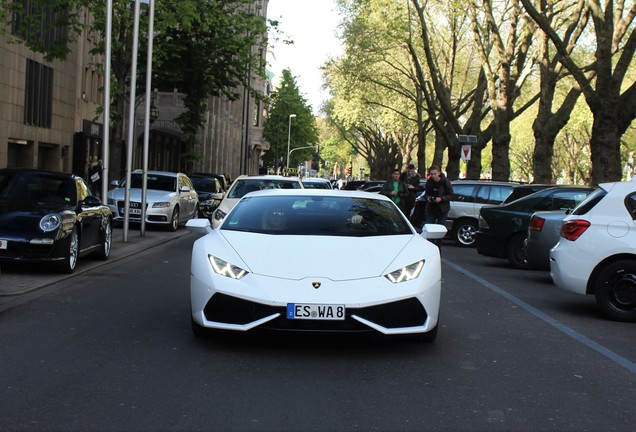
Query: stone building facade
point(49, 118)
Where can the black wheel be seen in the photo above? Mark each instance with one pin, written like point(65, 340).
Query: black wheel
point(427, 337)
point(465, 234)
point(106, 241)
point(615, 290)
point(174, 221)
point(70, 260)
point(198, 330)
point(516, 252)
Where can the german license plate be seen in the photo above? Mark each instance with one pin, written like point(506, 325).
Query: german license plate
point(131, 211)
point(3, 244)
point(315, 311)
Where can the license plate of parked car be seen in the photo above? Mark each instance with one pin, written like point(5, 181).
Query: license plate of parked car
point(3, 244)
point(315, 311)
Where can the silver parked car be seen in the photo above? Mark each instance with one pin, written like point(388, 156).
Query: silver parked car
point(469, 196)
point(171, 199)
point(544, 232)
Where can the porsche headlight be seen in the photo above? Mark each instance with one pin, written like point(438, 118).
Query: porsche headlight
point(224, 268)
point(50, 222)
point(406, 273)
point(161, 204)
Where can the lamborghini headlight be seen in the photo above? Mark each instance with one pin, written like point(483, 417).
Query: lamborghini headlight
point(224, 268)
point(406, 273)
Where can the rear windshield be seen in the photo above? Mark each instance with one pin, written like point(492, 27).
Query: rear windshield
point(588, 203)
point(242, 187)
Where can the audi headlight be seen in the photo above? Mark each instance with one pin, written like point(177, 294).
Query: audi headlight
point(50, 222)
point(161, 204)
point(224, 268)
point(406, 273)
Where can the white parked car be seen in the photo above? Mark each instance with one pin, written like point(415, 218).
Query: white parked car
point(171, 199)
point(596, 254)
point(249, 274)
point(245, 184)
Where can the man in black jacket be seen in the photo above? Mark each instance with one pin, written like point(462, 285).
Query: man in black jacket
point(438, 193)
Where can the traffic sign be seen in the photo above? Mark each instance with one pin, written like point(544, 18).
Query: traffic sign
point(466, 152)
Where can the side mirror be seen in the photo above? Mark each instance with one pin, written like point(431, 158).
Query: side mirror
point(199, 226)
point(91, 201)
point(433, 231)
point(185, 189)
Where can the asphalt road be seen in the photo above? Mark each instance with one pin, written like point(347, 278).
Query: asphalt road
point(112, 349)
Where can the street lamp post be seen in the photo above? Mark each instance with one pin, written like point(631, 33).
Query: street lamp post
point(289, 137)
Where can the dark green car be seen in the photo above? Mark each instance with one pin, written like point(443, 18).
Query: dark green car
point(504, 228)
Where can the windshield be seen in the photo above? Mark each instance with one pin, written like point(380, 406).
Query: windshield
point(37, 186)
point(317, 215)
point(155, 182)
point(204, 184)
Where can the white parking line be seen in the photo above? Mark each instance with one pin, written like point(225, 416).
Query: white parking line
point(621, 361)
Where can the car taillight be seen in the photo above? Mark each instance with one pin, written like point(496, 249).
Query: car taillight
point(572, 230)
point(536, 223)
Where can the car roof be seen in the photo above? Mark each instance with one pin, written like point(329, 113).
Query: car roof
point(38, 171)
point(265, 177)
point(165, 173)
point(320, 192)
point(485, 181)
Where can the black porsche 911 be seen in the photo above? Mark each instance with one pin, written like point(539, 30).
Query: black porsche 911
point(51, 217)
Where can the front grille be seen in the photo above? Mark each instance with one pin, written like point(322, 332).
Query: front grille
point(231, 310)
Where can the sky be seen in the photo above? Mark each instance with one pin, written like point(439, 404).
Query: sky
point(312, 25)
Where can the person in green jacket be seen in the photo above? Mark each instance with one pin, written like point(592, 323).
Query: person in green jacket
point(396, 190)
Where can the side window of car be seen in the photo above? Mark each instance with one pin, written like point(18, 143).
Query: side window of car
point(566, 200)
point(498, 194)
point(463, 193)
point(630, 203)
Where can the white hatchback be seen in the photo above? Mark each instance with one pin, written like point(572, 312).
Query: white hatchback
point(596, 254)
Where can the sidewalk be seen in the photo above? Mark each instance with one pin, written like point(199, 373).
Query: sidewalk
point(21, 279)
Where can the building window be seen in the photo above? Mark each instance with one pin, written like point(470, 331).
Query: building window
point(38, 94)
point(42, 27)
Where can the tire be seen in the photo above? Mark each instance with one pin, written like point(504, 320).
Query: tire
point(106, 242)
point(174, 221)
point(198, 330)
point(70, 260)
point(615, 290)
point(428, 337)
point(466, 233)
point(516, 253)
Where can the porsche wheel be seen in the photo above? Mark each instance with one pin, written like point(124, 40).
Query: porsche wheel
point(70, 260)
point(174, 221)
point(106, 242)
point(615, 290)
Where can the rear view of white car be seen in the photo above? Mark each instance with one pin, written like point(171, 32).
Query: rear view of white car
point(596, 254)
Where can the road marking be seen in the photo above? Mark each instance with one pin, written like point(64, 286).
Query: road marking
point(621, 361)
